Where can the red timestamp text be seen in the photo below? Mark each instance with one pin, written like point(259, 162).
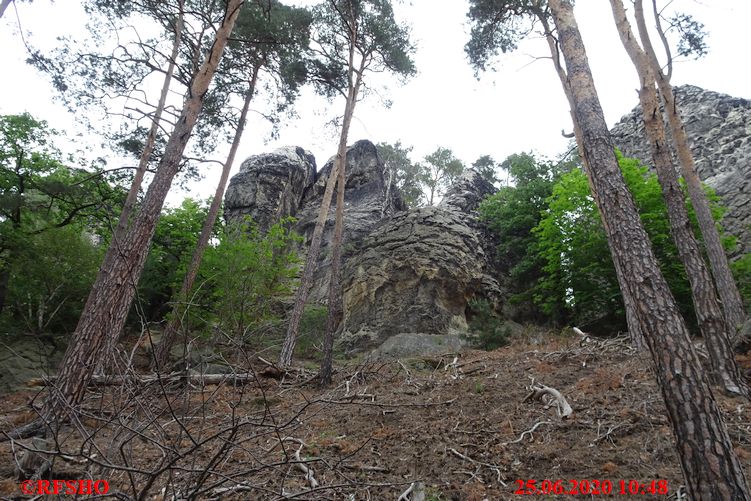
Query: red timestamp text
point(592, 487)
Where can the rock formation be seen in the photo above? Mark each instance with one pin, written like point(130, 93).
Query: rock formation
point(408, 276)
point(270, 186)
point(404, 271)
point(416, 272)
point(719, 128)
point(369, 198)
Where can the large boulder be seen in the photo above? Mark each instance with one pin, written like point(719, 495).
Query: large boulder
point(270, 186)
point(24, 358)
point(719, 130)
point(417, 271)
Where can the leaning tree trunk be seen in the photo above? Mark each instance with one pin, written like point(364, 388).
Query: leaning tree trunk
point(708, 312)
point(732, 303)
point(336, 308)
point(301, 296)
point(336, 302)
point(148, 148)
point(637, 338)
point(112, 294)
point(161, 353)
point(710, 467)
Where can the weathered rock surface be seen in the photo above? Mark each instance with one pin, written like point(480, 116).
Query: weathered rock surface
point(25, 358)
point(409, 345)
point(270, 186)
point(405, 272)
point(719, 129)
point(369, 198)
point(416, 272)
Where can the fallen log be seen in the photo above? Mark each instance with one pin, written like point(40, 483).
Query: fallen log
point(114, 380)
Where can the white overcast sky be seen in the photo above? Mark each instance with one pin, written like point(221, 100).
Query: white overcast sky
point(519, 107)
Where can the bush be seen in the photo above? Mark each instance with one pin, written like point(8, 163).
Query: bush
point(242, 279)
point(742, 273)
point(310, 334)
point(487, 326)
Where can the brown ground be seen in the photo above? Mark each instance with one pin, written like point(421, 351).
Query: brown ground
point(382, 427)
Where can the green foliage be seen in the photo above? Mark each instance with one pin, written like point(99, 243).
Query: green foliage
point(51, 217)
point(580, 279)
point(310, 335)
point(499, 25)
point(487, 326)
point(439, 172)
point(174, 240)
point(742, 273)
point(380, 43)
point(512, 213)
point(406, 174)
point(487, 167)
point(244, 275)
point(692, 37)
point(50, 280)
point(269, 40)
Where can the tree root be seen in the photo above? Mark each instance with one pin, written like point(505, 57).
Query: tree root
point(538, 392)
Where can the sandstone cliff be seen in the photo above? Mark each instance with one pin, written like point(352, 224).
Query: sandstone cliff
point(404, 271)
point(719, 128)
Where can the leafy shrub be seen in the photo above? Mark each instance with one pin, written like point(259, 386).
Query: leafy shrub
point(742, 273)
point(50, 280)
point(580, 283)
point(310, 334)
point(242, 278)
point(487, 326)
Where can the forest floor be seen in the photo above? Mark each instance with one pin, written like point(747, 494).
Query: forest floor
point(449, 428)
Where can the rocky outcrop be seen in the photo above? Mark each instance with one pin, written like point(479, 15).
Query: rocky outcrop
point(719, 128)
point(270, 186)
point(405, 272)
point(416, 272)
point(285, 183)
point(370, 197)
point(24, 358)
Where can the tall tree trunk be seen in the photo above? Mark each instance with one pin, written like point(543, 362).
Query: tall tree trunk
point(148, 148)
point(732, 303)
point(336, 303)
point(709, 314)
point(711, 469)
point(301, 295)
point(161, 353)
point(336, 308)
point(637, 338)
point(111, 296)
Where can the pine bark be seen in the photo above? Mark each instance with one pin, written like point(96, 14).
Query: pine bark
point(336, 308)
point(111, 296)
point(161, 353)
point(708, 312)
point(710, 467)
point(732, 303)
point(635, 334)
